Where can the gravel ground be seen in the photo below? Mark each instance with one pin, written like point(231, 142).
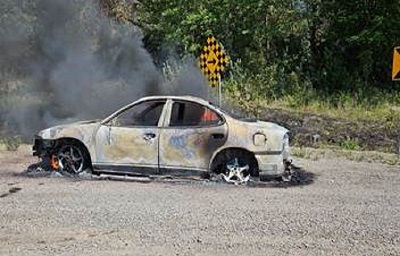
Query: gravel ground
point(351, 208)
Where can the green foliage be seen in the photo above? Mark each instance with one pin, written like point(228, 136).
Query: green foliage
point(314, 47)
point(311, 55)
point(358, 39)
point(256, 32)
point(324, 49)
point(359, 156)
point(249, 91)
point(299, 152)
point(121, 10)
point(349, 144)
point(12, 143)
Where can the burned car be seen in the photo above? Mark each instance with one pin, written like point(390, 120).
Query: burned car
point(168, 135)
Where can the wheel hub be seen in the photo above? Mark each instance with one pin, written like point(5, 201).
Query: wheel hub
point(236, 173)
point(70, 159)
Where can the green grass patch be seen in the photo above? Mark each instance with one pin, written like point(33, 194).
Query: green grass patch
point(349, 144)
point(270, 89)
point(352, 155)
point(12, 143)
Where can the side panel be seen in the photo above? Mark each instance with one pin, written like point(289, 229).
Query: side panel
point(256, 137)
point(127, 146)
point(190, 148)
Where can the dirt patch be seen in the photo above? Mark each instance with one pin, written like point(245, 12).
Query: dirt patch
point(11, 191)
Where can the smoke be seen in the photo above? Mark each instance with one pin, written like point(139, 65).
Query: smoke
point(183, 77)
point(65, 61)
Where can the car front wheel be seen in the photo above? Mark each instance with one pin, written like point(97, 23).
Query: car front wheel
point(72, 159)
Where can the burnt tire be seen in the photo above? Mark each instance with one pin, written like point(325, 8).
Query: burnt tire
point(72, 159)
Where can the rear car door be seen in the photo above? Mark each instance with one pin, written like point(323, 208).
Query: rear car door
point(193, 133)
point(131, 138)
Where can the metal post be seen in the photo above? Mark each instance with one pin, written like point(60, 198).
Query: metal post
point(398, 144)
point(219, 90)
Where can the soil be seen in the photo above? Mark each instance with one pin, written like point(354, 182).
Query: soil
point(343, 208)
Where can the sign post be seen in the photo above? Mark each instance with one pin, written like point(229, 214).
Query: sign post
point(213, 61)
point(396, 77)
point(219, 90)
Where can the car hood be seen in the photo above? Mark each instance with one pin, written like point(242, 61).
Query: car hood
point(80, 130)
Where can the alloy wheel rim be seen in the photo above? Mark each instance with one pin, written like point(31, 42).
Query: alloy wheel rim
point(236, 173)
point(71, 159)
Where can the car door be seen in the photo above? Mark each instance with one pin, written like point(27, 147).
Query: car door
point(190, 137)
point(131, 138)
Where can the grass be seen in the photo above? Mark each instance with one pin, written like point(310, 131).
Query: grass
point(380, 112)
point(335, 152)
point(384, 111)
point(367, 120)
point(12, 143)
point(262, 91)
point(349, 144)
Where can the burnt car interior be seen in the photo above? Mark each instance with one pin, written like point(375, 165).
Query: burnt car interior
point(192, 114)
point(143, 114)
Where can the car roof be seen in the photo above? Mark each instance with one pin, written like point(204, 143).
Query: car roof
point(168, 97)
point(175, 97)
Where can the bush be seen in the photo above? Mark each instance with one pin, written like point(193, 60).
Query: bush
point(13, 143)
point(349, 144)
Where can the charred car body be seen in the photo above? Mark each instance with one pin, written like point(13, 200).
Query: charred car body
point(168, 135)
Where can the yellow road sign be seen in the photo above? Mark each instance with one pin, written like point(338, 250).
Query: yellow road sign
point(396, 64)
point(213, 61)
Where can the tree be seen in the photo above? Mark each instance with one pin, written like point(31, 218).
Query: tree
point(257, 32)
point(353, 51)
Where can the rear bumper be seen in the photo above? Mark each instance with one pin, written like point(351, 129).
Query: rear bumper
point(272, 165)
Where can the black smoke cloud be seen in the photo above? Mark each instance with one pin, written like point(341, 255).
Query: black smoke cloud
point(64, 61)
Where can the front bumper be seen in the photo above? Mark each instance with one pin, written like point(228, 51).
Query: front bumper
point(42, 147)
point(37, 147)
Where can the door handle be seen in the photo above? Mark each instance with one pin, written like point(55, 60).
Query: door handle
point(149, 136)
point(217, 136)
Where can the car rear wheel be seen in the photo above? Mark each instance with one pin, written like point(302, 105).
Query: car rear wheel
point(72, 159)
point(236, 166)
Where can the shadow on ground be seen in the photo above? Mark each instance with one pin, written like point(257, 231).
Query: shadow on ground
point(300, 177)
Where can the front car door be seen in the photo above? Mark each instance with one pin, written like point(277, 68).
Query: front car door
point(191, 136)
point(129, 141)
